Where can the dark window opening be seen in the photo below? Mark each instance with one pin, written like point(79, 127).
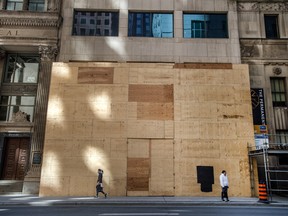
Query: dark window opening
point(271, 26)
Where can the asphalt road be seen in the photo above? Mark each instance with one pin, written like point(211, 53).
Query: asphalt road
point(144, 211)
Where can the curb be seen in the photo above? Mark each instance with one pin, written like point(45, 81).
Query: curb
point(131, 203)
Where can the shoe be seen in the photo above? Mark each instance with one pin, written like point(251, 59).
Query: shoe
point(106, 194)
point(223, 200)
point(96, 197)
point(227, 200)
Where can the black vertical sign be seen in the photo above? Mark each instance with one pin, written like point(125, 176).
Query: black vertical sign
point(258, 106)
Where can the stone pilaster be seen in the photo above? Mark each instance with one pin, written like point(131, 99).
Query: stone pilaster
point(3, 4)
point(32, 179)
point(25, 4)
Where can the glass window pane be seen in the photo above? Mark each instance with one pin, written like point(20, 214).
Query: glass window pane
point(14, 5)
point(100, 23)
point(23, 100)
point(4, 100)
point(205, 26)
point(36, 5)
point(25, 110)
point(282, 97)
point(3, 113)
point(278, 90)
point(22, 69)
point(281, 86)
point(13, 104)
point(150, 25)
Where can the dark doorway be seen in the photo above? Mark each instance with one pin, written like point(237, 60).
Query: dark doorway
point(16, 156)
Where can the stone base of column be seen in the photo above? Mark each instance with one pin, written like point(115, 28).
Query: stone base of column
point(31, 182)
point(31, 185)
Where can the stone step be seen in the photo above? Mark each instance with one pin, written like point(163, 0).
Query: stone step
point(10, 186)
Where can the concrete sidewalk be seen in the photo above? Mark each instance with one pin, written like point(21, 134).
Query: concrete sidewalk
point(30, 200)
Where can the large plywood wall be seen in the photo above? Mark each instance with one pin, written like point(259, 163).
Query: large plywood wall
point(148, 126)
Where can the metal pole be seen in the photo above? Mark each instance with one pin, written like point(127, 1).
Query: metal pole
point(265, 146)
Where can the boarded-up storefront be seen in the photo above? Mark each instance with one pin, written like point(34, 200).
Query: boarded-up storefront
point(148, 126)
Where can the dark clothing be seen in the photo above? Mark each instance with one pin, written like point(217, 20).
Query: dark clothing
point(100, 177)
point(99, 186)
point(224, 193)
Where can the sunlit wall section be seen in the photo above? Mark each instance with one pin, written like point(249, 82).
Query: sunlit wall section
point(85, 131)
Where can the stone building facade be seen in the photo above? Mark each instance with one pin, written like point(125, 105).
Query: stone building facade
point(29, 45)
point(157, 93)
point(263, 37)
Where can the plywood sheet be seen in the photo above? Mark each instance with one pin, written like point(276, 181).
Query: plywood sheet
point(151, 93)
point(138, 148)
point(95, 75)
point(146, 129)
point(138, 172)
point(155, 111)
point(204, 65)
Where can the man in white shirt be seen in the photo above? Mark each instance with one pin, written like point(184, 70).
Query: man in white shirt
point(225, 185)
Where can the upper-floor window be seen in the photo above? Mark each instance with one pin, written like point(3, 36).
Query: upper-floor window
point(14, 5)
point(12, 104)
point(21, 77)
point(36, 5)
point(95, 23)
point(21, 69)
point(145, 24)
point(271, 26)
point(205, 25)
point(278, 90)
point(33, 5)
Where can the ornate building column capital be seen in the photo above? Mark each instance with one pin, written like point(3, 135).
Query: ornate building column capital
point(48, 53)
point(54, 5)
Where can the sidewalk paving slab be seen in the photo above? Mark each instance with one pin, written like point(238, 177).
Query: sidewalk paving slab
point(34, 200)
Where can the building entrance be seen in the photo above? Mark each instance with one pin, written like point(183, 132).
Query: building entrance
point(15, 158)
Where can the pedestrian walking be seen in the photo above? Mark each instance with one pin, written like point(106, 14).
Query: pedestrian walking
point(224, 185)
point(99, 185)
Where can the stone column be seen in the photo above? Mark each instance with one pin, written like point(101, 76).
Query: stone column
point(3, 5)
point(32, 179)
point(25, 5)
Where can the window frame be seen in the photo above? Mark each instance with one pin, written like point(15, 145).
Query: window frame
point(131, 30)
point(24, 96)
point(206, 23)
point(15, 2)
point(6, 70)
point(275, 93)
point(275, 30)
point(97, 31)
point(10, 106)
point(37, 3)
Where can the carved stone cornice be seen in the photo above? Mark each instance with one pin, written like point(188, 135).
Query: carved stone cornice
point(264, 6)
point(247, 50)
point(48, 53)
point(274, 6)
point(54, 5)
point(35, 22)
point(250, 6)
